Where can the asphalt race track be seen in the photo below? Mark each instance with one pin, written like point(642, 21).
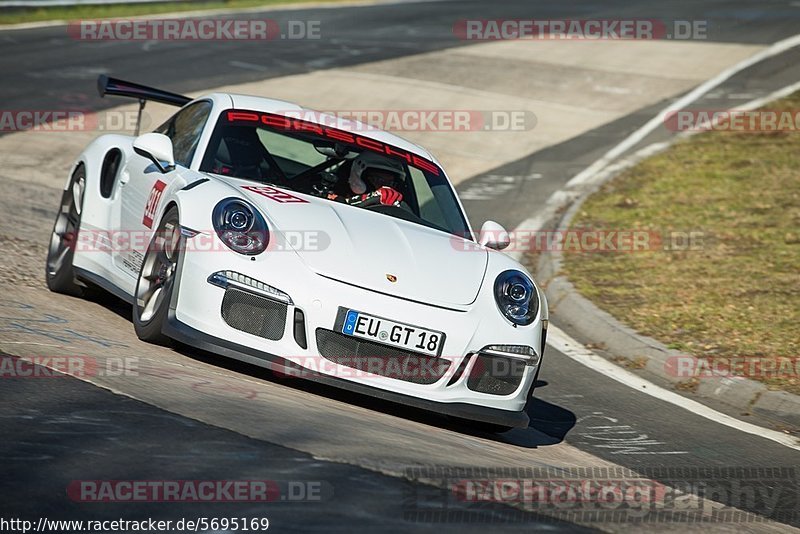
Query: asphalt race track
point(230, 421)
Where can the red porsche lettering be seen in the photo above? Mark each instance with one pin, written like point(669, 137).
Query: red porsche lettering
point(242, 116)
point(287, 123)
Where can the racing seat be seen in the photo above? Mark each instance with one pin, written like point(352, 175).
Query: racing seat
point(240, 153)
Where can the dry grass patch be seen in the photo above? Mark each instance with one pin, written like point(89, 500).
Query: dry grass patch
point(737, 292)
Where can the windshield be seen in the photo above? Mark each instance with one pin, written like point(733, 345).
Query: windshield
point(313, 159)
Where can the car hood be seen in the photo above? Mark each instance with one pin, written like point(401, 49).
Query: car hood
point(369, 249)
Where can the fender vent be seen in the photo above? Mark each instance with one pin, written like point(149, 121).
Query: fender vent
point(254, 314)
point(108, 172)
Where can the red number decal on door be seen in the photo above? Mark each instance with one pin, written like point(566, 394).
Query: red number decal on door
point(152, 203)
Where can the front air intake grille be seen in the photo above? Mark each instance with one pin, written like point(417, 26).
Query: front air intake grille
point(379, 359)
point(254, 314)
point(496, 375)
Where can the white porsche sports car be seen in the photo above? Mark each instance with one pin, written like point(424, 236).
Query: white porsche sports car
point(259, 230)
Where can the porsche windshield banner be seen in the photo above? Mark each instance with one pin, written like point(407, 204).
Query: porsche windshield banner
point(280, 122)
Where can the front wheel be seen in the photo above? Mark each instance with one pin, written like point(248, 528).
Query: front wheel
point(59, 273)
point(157, 280)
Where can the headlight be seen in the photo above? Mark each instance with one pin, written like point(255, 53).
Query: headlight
point(240, 226)
point(516, 297)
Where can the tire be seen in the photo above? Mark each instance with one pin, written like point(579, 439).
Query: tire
point(59, 273)
point(157, 280)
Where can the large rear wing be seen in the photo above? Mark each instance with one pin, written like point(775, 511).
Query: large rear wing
point(112, 86)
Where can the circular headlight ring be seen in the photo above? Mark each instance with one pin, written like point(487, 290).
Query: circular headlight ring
point(240, 220)
point(518, 292)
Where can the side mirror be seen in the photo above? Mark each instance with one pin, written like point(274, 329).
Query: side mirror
point(157, 148)
point(493, 235)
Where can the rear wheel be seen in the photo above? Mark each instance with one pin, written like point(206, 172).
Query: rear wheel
point(157, 280)
point(59, 273)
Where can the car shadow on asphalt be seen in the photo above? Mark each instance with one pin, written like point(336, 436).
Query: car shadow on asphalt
point(549, 424)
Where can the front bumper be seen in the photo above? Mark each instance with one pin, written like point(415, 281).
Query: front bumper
point(195, 319)
point(189, 336)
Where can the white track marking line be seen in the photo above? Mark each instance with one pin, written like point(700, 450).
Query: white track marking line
point(699, 91)
point(780, 93)
point(607, 368)
point(563, 343)
point(562, 197)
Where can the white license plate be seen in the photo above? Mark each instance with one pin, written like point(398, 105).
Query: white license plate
point(387, 332)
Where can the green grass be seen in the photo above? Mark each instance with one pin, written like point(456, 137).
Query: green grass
point(19, 15)
point(738, 294)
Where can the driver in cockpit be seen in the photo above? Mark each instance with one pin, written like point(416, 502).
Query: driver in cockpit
point(373, 180)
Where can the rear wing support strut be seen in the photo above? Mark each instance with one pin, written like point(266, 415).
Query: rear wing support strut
point(116, 87)
point(142, 102)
